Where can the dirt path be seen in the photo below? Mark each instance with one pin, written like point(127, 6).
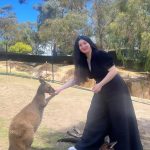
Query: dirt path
point(66, 110)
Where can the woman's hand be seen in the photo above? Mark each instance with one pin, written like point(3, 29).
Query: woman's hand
point(110, 75)
point(57, 91)
point(68, 84)
point(97, 88)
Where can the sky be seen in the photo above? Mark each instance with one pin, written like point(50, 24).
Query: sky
point(24, 12)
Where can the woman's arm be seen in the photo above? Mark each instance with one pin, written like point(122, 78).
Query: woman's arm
point(110, 75)
point(68, 84)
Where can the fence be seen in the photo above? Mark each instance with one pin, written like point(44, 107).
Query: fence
point(35, 58)
point(59, 69)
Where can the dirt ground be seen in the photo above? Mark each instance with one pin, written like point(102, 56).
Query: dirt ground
point(64, 111)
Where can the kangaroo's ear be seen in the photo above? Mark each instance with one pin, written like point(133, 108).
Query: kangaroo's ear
point(107, 139)
point(41, 80)
point(112, 144)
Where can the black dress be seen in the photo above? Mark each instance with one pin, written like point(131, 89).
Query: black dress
point(111, 111)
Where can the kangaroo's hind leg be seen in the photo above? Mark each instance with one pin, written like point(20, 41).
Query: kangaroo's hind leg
point(17, 145)
point(28, 138)
point(15, 140)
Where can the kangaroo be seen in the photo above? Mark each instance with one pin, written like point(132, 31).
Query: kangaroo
point(26, 122)
point(75, 136)
point(107, 144)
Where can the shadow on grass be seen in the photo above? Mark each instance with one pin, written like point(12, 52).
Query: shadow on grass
point(40, 149)
point(46, 139)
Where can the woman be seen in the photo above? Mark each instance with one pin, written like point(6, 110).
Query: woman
point(111, 111)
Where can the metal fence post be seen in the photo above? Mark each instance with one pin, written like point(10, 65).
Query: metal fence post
point(6, 58)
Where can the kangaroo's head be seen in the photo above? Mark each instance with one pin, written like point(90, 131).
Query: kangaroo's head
point(45, 87)
point(107, 144)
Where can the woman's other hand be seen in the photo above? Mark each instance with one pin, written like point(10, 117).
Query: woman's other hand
point(97, 88)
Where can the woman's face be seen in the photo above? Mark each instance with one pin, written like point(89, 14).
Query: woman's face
point(84, 47)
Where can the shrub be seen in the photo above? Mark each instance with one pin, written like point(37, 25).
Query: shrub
point(147, 64)
point(20, 47)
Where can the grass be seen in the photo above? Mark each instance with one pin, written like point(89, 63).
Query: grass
point(3, 131)
point(3, 71)
point(60, 114)
point(47, 140)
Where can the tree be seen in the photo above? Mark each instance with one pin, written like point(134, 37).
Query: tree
point(22, 1)
point(145, 48)
point(7, 23)
point(73, 5)
point(58, 9)
point(48, 10)
point(62, 31)
point(60, 21)
point(128, 30)
point(104, 13)
point(26, 33)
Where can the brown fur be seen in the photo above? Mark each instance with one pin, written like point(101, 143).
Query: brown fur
point(107, 144)
point(27, 121)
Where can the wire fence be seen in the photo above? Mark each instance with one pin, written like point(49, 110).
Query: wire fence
point(61, 69)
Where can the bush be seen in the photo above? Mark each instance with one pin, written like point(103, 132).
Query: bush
point(134, 64)
point(132, 59)
point(20, 47)
point(147, 64)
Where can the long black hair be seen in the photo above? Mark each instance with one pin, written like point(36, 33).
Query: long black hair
point(81, 67)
